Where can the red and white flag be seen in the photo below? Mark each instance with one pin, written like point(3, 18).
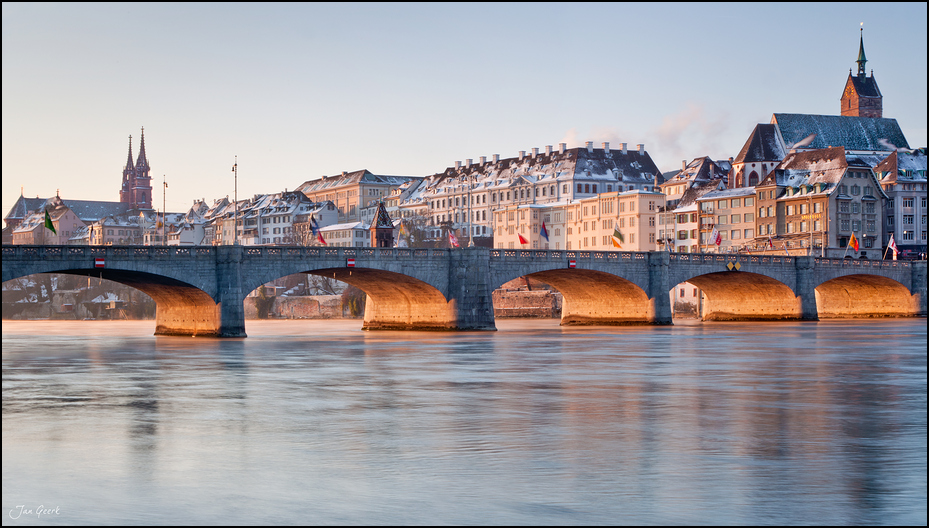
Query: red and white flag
point(892, 245)
point(715, 237)
point(522, 239)
point(770, 242)
point(452, 239)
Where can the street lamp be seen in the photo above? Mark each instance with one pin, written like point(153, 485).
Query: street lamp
point(470, 213)
point(164, 212)
point(235, 221)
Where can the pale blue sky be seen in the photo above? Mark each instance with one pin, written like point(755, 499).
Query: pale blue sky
point(297, 91)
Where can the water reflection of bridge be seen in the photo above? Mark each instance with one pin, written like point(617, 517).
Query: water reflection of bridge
point(201, 290)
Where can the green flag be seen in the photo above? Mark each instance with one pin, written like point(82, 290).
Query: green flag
point(618, 235)
point(48, 223)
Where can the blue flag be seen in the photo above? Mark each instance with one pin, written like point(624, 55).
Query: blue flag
point(544, 232)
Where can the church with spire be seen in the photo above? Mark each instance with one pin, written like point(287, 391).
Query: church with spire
point(862, 97)
point(136, 188)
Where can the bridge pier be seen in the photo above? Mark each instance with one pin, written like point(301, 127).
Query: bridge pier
point(470, 294)
point(659, 303)
point(806, 289)
point(918, 287)
point(231, 301)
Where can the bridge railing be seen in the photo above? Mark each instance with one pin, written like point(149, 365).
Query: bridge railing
point(700, 258)
point(856, 263)
point(555, 254)
point(57, 252)
point(341, 252)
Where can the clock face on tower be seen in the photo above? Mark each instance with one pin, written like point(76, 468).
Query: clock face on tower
point(849, 91)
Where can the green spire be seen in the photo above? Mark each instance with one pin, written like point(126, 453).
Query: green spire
point(861, 58)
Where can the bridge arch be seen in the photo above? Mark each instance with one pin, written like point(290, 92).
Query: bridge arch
point(741, 296)
point(181, 308)
point(864, 295)
point(590, 296)
point(395, 301)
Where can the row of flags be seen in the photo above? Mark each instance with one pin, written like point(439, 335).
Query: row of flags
point(617, 238)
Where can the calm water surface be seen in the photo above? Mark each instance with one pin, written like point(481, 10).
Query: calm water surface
point(319, 422)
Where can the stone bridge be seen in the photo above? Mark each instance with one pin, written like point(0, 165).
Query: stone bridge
point(201, 290)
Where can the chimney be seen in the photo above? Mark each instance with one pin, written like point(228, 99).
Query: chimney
point(562, 147)
point(496, 158)
point(483, 160)
point(606, 147)
point(457, 165)
point(468, 162)
point(344, 173)
point(522, 154)
point(624, 149)
point(548, 150)
point(590, 147)
point(535, 152)
point(683, 164)
point(641, 149)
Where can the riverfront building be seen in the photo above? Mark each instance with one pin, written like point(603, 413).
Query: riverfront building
point(587, 224)
point(903, 178)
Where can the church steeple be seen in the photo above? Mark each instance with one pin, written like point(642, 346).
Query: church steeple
point(125, 192)
point(129, 166)
point(861, 58)
point(142, 162)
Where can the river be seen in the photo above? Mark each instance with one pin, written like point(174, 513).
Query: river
point(319, 422)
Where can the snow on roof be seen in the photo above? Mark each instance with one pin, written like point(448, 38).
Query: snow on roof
point(762, 145)
point(347, 225)
point(728, 193)
point(851, 132)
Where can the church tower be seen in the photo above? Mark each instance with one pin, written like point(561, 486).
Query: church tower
point(862, 97)
point(125, 192)
point(382, 228)
point(137, 182)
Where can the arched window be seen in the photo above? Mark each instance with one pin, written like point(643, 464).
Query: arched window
point(753, 179)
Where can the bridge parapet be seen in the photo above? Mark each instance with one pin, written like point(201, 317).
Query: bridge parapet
point(852, 263)
point(704, 258)
point(565, 255)
point(58, 252)
point(265, 252)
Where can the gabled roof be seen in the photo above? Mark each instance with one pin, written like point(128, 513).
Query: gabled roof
point(898, 163)
point(350, 178)
point(824, 166)
point(865, 86)
point(381, 218)
point(91, 210)
point(850, 132)
point(762, 145)
point(23, 207)
point(698, 190)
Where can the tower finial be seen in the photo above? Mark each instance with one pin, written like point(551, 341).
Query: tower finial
point(861, 57)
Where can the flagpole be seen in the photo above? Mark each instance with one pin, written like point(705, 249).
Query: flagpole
point(235, 220)
point(164, 210)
